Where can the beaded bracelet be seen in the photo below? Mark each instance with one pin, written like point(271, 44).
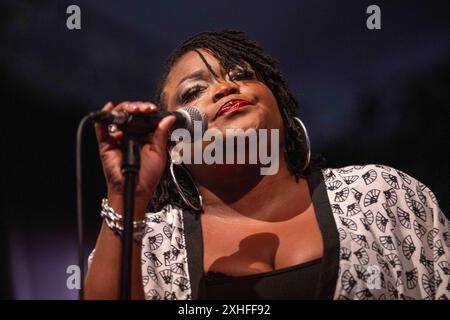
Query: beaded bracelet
point(115, 222)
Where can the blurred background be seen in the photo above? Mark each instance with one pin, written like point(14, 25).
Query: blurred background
point(366, 96)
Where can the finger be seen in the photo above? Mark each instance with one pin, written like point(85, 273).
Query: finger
point(124, 105)
point(141, 107)
point(130, 107)
point(159, 139)
point(107, 138)
point(108, 106)
point(136, 107)
point(101, 130)
point(147, 107)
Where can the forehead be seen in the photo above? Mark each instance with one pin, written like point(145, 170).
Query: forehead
point(189, 63)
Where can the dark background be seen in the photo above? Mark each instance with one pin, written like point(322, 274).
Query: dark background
point(379, 96)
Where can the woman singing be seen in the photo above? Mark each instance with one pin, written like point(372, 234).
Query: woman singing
point(226, 231)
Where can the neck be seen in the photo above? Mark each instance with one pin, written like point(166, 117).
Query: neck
point(238, 191)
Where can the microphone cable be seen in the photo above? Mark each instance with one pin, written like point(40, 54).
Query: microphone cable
point(79, 192)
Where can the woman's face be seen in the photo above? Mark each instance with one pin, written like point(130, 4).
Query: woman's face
point(190, 83)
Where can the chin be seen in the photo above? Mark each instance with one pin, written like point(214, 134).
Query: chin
point(242, 125)
point(241, 120)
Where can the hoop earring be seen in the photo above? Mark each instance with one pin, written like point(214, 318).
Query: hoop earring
point(308, 143)
point(181, 170)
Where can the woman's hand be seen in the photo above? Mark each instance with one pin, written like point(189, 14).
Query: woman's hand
point(152, 158)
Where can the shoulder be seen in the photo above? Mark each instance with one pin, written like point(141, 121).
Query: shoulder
point(368, 175)
point(382, 188)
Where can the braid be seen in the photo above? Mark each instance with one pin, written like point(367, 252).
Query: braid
point(233, 48)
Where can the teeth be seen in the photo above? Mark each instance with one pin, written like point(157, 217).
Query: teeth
point(229, 108)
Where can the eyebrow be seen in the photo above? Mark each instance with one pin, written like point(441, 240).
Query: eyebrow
point(199, 74)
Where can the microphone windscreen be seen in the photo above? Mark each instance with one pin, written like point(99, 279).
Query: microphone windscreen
point(194, 115)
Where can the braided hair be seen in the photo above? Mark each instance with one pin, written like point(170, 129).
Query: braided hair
point(233, 48)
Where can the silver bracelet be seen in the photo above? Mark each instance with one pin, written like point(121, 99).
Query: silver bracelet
point(115, 222)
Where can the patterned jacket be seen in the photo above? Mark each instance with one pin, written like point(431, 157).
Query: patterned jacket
point(383, 232)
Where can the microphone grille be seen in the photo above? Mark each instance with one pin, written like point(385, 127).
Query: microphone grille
point(193, 115)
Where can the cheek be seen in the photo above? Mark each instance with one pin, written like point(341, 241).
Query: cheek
point(205, 106)
point(267, 100)
point(264, 96)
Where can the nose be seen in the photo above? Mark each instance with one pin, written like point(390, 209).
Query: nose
point(224, 89)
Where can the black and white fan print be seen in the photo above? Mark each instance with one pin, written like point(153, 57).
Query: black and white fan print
point(397, 227)
point(394, 240)
point(164, 265)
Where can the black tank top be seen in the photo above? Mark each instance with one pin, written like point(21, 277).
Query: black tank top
point(297, 282)
point(312, 280)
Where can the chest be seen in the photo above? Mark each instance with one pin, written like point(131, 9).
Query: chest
point(245, 249)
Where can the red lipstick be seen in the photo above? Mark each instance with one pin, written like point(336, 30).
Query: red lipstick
point(231, 106)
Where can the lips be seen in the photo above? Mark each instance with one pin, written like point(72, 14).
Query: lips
point(231, 106)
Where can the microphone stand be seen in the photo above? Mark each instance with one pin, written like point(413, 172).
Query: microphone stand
point(130, 169)
point(132, 142)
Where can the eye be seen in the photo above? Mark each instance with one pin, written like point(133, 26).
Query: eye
point(244, 74)
point(191, 93)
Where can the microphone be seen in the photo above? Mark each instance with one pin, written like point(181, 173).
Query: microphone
point(138, 124)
